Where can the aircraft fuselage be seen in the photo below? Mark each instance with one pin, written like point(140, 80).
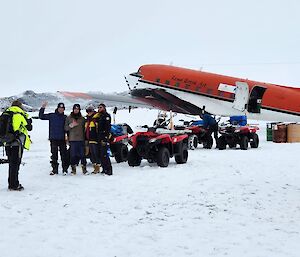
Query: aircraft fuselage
point(188, 91)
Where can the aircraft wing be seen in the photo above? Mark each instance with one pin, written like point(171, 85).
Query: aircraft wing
point(120, 100)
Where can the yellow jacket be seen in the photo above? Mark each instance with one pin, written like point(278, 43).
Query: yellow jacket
point(19, 123)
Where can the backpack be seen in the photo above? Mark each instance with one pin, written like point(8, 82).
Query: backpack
point(116, 130)
point(6, 130)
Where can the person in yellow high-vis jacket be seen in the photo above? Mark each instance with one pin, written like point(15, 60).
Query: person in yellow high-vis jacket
point(21, 124)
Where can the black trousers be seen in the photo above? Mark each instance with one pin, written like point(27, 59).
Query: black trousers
point(61, 146)
point(14, 155)
point(104, 158)
point(214, 129)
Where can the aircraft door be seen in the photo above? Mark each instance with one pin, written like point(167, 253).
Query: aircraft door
point(255, 99)
point(241, 96)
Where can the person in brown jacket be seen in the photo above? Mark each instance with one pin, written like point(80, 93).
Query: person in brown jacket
point(74, 126)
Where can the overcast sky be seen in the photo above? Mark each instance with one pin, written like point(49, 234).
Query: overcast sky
point(88, 45)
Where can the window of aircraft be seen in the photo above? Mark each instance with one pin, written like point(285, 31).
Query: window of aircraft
point(168, 82)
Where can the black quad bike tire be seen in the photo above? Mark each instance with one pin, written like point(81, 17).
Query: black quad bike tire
point(244, 142)
point(133, 158)
point(193, 142)
point(183, 154)
point(163, 157)
point(121, 153)
point(222, 143)
point(255, 141)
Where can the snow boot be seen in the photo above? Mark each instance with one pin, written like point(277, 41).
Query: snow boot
point(96, 168)
point(73, 172)
point(84, 170)
point(54, 169)
point(18, 188)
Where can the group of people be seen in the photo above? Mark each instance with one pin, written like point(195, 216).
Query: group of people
point(75, 130)
point(87, 135)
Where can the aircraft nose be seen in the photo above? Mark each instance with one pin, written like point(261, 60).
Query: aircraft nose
point(136, 74)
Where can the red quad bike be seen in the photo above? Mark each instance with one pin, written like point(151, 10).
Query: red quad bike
point(233, 135)
point(158, 145)
point(119, 141)
point(197, 134)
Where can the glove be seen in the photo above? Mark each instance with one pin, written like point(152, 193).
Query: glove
point(103, 143)
point(29, 124)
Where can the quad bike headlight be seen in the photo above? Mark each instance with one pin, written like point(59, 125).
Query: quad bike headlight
point(152, 140)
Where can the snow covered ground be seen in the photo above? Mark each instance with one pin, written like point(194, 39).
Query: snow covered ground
point(220, 203)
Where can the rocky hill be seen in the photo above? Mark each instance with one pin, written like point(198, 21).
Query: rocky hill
point(32, 101)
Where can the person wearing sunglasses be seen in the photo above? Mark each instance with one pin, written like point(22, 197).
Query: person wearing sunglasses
point(104, 125)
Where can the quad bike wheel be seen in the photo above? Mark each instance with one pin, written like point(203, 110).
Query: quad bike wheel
point(163, 157)
point(222, 143)
point(193, 142)
point(244, 143)
point(133, 158)
point(255, 141)
point(121, 153)
point(182, 157)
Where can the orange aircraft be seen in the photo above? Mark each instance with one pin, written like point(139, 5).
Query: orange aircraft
point(189, 91)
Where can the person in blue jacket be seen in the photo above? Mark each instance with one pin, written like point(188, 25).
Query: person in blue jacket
point(57, 137)
point(210, 124)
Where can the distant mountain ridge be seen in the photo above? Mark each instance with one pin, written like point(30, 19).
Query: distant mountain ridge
point(32, 101)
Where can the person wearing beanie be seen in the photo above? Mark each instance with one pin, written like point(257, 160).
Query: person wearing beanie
point(91, 125)
point(74, 125)
point(103, 131)
point(61, 105)
point(57, 137)
point(20, 125)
